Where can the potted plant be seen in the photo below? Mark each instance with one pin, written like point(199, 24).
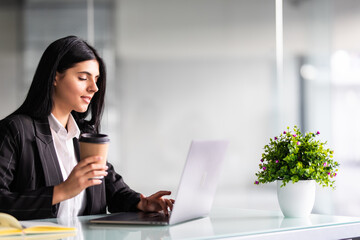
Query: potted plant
point(302, 160)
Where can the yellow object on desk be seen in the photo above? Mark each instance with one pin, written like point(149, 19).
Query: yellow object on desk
point(11, 227)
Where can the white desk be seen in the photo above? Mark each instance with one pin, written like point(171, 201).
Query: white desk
point(228, 223)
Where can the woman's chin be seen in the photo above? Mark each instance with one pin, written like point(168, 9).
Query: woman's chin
point(81, 109)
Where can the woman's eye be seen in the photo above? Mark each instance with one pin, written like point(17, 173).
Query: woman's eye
point(82, 78)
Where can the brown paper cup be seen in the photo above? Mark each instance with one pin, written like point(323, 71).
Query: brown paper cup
point(94, 145)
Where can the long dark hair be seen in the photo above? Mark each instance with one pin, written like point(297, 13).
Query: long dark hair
point(59, 56)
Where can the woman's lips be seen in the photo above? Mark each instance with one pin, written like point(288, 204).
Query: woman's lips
point(86, 99)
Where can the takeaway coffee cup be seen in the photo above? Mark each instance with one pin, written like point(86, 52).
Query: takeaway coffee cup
point(94, 145)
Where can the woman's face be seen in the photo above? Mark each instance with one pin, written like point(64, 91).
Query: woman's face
point(74, 89)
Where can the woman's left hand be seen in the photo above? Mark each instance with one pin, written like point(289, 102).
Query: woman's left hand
point(156, 202)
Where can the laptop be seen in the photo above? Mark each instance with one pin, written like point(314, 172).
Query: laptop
point(195, 193)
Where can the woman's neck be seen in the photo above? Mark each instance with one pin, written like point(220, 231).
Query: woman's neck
point(62, 117)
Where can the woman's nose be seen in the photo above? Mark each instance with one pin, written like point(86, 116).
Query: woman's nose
point(93, 87)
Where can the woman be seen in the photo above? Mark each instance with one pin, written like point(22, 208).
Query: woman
point(40, 172)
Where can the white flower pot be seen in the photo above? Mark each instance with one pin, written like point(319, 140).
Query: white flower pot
point(296, 199)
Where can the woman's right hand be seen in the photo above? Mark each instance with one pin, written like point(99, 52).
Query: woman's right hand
point(80, 178)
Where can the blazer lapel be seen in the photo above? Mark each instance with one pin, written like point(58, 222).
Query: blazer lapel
point(49, 160)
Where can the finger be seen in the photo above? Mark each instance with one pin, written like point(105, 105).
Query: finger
point(159, 194)
point(90, 170)
point(163, 206)
point(169, 204)
point(90, 160)
point(94, 174)
point(93, 182)
point(95, 166)
point(172, 200)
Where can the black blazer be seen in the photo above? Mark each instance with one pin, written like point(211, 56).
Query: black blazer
point(29, 170)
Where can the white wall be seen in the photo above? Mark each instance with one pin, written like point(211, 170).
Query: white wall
point(194, 70)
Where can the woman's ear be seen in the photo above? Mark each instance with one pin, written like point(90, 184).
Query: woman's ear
point(57, 77)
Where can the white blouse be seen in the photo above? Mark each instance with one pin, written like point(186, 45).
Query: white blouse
point(64, 147)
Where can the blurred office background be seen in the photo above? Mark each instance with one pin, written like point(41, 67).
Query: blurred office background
point(206, 69)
